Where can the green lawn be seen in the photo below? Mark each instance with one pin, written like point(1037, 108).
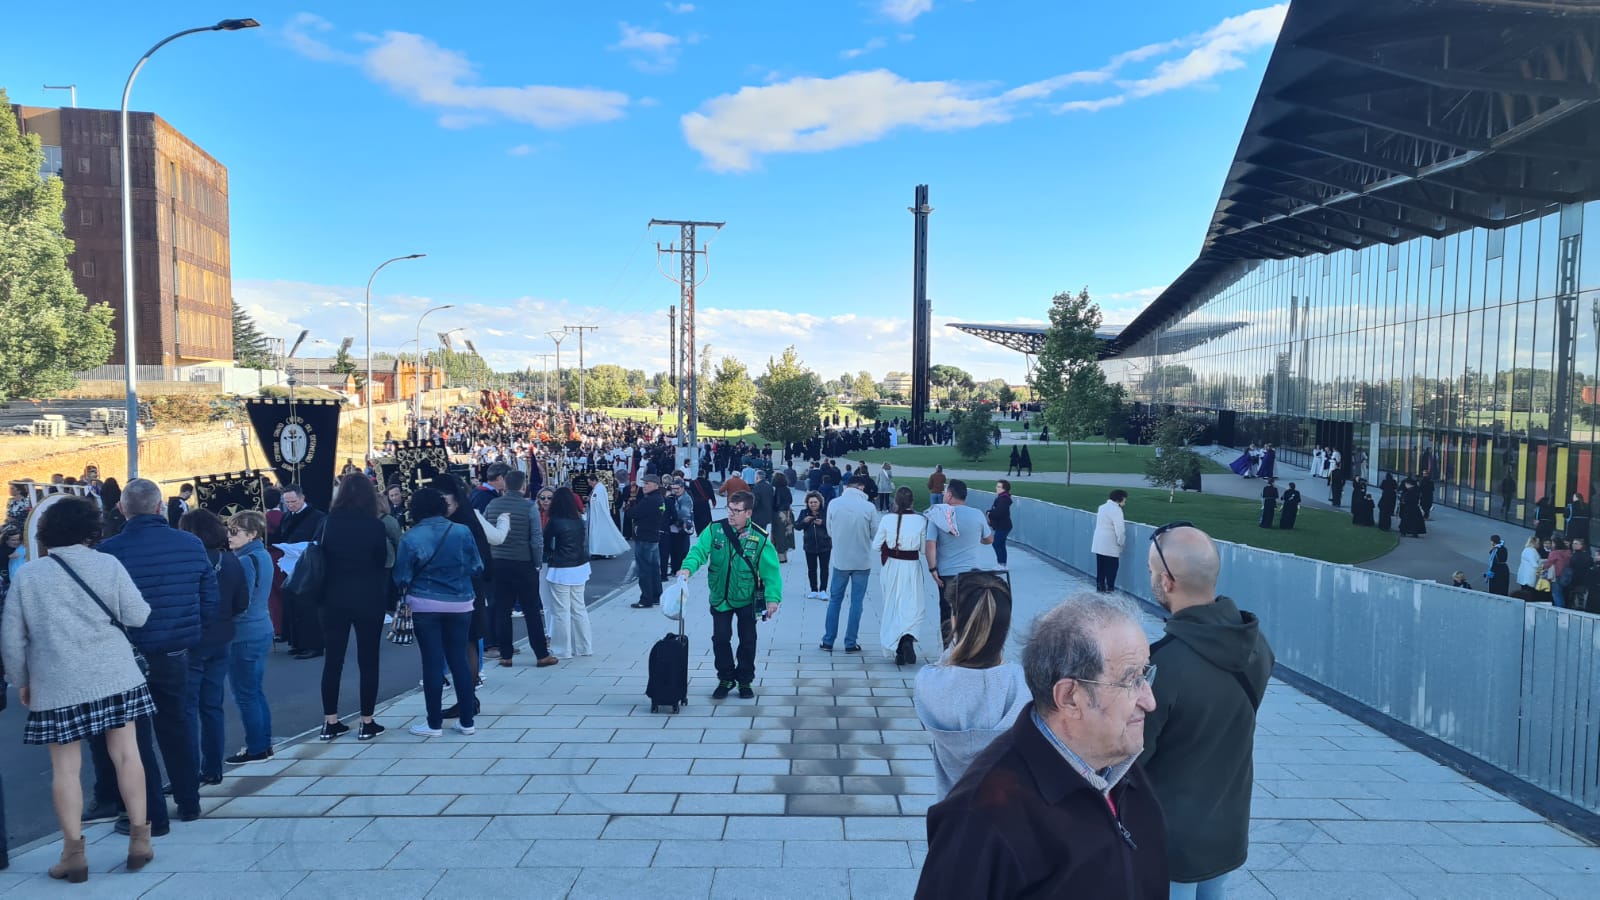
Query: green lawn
point(1121, 459)
point(1317, 534)
point(670, 419)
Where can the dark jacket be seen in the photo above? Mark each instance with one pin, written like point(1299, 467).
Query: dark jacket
point(173, 574)
point(761, 513)
point(233, 598)
point(468, 518)
point(481, 497)
point(566, 543)
point(356, 548)
point(1000, 512)
point(297, 528)
point(1198, 742)
point(1023, 823)
point(524, 541)
point(815, 527)
point(647, 516)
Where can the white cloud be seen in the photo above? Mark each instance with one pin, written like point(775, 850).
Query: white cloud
point(810, 114)
point(520, 150)
point(430, 75)
point(1122, 307)
point(876, 43)
point(904, 11)
point(680, 8)
point(653, 51)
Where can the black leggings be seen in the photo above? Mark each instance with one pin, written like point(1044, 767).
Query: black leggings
point(817, 569)
point(336, 627)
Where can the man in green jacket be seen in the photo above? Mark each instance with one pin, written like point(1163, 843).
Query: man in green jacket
point(1200, 738)
point(740, 583)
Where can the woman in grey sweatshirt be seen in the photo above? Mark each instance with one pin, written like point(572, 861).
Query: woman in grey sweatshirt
point(973, 695)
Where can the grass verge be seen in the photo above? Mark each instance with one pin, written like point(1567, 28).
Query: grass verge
point(1087, 458)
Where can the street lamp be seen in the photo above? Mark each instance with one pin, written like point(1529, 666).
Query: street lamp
point(368, 390)
point(558, 337)
point(130, 356)
point(418, 410)
point(444, 337)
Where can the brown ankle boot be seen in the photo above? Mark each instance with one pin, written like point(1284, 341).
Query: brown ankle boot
point(74, 866)
point(139, 850)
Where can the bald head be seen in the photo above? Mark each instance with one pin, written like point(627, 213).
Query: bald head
point(1183, 568)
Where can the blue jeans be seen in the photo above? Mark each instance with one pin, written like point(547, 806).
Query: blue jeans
point(1558, 594)
point(647, 559)
point(442, 638)
point(247, 670)
point(208, 671)
point(1210, 889)
point(1000, 545)
point(857, 579)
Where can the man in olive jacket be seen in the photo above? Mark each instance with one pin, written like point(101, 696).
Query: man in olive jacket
point(1199, 741)
point(739, 584)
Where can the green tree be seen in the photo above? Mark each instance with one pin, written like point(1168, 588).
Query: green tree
point(665, 395)
point(789, 401)
point(1068, 376)
point(865, 388)
point(1005, 394)
point(974, 434)
point(725, 404)
point(953, 379)
point(250, 350)
point(1116, 422)
point(868, 409)
point(605, 385)
point(1174, 463)
point(48, 330)
point(344, 365)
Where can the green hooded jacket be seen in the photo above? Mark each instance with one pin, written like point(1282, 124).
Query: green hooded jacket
point(732, 583)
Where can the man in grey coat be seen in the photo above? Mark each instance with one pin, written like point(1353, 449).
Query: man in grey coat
point(851, 521)
point(515, 577)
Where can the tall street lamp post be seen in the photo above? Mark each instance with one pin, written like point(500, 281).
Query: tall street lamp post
point(130, 354)
point(368, 389)
point(417, 412)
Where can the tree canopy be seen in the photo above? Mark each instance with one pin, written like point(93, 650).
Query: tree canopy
point(1068, 376)
point(250, 348)
point(725, 403)
point(48, 330)
point(789, 401)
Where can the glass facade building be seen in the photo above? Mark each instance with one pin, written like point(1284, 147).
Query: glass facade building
point(1471, 356)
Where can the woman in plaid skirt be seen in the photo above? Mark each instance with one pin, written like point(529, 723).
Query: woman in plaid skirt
point(72, 599)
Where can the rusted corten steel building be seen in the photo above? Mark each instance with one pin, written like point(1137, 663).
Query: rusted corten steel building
point(180, 228)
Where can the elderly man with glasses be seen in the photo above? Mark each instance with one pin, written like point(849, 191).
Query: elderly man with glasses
point(1058, 806)
point(745, 578)
point(1199, 740)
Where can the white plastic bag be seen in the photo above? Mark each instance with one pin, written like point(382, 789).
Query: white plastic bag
point(672, 596)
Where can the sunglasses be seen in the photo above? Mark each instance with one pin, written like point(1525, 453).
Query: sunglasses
point(1155, 540)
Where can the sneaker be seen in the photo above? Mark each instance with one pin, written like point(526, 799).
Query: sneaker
point(369, 730)
point(331, 730)
point(746, 692)
point(641, 605)
point(245, 756)
point(421, 729)
point(491, 653)
point(101, 812)
point(516, 614)
point(827, 647)
point(724, 688)
point(464, 729)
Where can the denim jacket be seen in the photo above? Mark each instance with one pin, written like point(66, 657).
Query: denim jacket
point(449, 575)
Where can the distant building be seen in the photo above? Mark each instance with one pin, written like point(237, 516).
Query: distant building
point(180, 226)
point(897, 384)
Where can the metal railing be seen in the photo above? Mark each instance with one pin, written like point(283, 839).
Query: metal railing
point(1514, 684)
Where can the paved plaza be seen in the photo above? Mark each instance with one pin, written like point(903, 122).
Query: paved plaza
point(815, 789)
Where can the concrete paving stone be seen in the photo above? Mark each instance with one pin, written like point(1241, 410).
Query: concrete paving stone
point(916, 804)
point(1303, 809)
point(587, 853)
point(1415, 810)
point(839, 767)
point(846, 854)
point(689, 751)
point(451, 766)
point(917, 768)
point(1423, 772)
point(719, 854)
point(202, 831)
point(329, 767)
point(836, 736)
point(545, 722)
point(570, 735)
point(886, 751)
point(1292, 741)
point(1287, 885)
point(474, 882)
point(1363, 858)
point(1267, 856)
point(667, 736)
point(656, 721)
point(199, 857)
point(1575, 886)
point(298, 830)
point(1295, 789)
point(112, 887)
point(524, 750)
point(881, 723)
point(750, 712)
point(752, 736)
point(390, 884)
point(732, 805)
point(542, 766)
point(577, 784)
point(1510, 834)
point(1387, 833)
point(437, 855)
point(708, 722)
point(1368, 744)
point(778, 884)
point(907, 737)
point(261, 807)
point(704, 828)
point(740, 767)
point(607, 884)
point(792, 751)
point(207, 886)
point(475, 784)
point(319, 750)
point(1333, 772)
point(1242, 885)
point(352, 785)
point(795, 722)
point(513, 805)
point(788, 828)
point(1577, 859)
point(1407, 791)
point(535, 827)
point(435, 828)
point(1467, 887)
point(597, 708)
point(329, 856)
point(403, 805)
point(683, 784)
point(888, 784)
point(599, 751)
point(643, 767)
point(789, 784)
point(1495, 860)
point(1266, 771)
point(885, 828)
point(871, 883)
point(620, 804)
point(1495, 810)
point(404, 746)
point(842, 805)
point(1287, 831)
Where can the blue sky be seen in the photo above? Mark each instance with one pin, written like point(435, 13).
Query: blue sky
point(523, 147)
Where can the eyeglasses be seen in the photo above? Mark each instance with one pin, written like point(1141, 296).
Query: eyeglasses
point(1145, 678)
point(1154, 540)
point(738, 509)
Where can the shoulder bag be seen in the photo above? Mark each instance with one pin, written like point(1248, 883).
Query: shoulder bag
point(738, 548)
point(138, 655)
point(403, 631)
point(311, 570)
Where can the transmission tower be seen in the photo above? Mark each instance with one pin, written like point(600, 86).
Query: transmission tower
point(687, 249)
point(580, 329)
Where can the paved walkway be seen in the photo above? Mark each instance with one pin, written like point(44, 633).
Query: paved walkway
point(816, 789)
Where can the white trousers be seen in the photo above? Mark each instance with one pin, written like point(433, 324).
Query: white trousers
point(569, 622)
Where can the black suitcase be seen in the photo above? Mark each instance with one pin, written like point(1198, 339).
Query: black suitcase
point(669, 671)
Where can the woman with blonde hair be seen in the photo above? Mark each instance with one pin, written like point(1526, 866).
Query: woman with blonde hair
point(973, 695)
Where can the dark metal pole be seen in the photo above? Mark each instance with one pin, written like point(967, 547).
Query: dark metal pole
point(921, 314)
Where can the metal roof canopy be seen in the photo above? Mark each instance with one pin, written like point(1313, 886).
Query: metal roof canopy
point(1029, 339)
point(1379, 123)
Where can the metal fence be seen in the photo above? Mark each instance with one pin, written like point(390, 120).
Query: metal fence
point(1513, 684)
